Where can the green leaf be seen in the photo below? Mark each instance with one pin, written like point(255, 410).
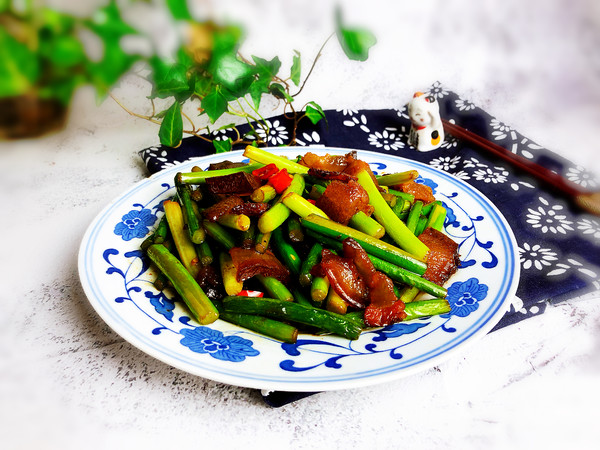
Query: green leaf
point(202, 86)
point(179, 9)
point(62, 51)
point(55, 23)
point(161, 114)
point(19, 66)
point(173, 83)
point(222, 146)
point(315, 113)
point(114, 64)
point(233, 74)
point(160, 68)
point(267, 69)
point(214, 104)
point(278, 91)
point(183, 57)
point(226, 40)
point(355, 42)
point(295, 71)
point(257, 89)
point(107, 23)
point(171, 128)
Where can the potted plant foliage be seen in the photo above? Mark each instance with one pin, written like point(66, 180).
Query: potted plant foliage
point(44, 59)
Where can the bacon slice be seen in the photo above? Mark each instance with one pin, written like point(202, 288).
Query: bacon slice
point(240, 183)
point(383, 316)
point(356, 166)
point(419, 190)
point(251, 208)
point(353, 250)
point(210, 281)
point(341, 201)
point(355, 279)
point(443, 258)
point(330, 175)
point(343, 277)
point(225, 165)
point(335, 163)
point(384, 307)
point(249, 263)
point(221, 208)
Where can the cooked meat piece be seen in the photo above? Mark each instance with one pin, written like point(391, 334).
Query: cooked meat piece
point(343, 277)
point(382, 316)
point(334, 163)
point(443, 259)
point(225, 165)
point(240, 183)
point(221, 208)
point(251, 208)
point(249, 263)
point(354, 279)
point(357, 165)
point(381, 291)
point(209, 279)
point(420, 191)
point(330, 175)
point(341, 201)
point(353, 250)
point(384, 306)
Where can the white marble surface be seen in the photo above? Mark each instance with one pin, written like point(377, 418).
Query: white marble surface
point(68, 381)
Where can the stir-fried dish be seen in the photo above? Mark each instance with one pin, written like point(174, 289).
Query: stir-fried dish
point(319, 244)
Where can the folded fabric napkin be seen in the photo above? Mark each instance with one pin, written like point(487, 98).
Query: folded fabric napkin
point(559, 246)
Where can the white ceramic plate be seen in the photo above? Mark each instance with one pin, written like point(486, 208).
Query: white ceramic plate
point(118, 284)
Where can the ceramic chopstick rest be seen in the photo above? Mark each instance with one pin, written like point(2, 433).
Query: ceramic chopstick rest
point(426, 131)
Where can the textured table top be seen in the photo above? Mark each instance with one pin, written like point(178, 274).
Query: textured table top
point(68, 381)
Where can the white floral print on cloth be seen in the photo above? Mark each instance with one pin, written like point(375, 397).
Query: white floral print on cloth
point(464, 105)
point(275, 133)
point(578, 175)
point(589, 226)
point(388, 139)
point(549, 218)
point(309, 138)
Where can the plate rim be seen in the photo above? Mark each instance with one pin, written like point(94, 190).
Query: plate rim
point(128, 334)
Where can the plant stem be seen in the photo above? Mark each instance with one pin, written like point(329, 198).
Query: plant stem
point(193, 132)
point(312, 67)
point(183, 243)
point(184, 283)
point(294, 312)
point(375, 247)
point(394, 227)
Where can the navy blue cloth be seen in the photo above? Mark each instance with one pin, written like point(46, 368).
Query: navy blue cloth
point(559, 245)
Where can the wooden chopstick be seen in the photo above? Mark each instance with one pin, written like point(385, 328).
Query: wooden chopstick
point(539, 172)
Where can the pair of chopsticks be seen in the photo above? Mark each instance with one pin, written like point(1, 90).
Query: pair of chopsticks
point(588, 201)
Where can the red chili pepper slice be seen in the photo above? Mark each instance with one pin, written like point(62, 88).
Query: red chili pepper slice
point(266, 172)
point(246, 293)
point(280, 181)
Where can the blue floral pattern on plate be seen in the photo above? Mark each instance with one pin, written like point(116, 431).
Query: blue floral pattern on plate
point(135, 224)
point(217, 345)
point(464, 297)
point(118, 282)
